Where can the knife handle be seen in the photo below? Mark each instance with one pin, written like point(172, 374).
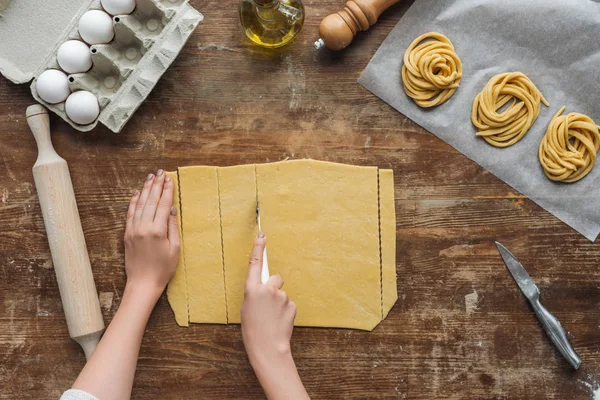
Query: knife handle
point(556, 333)
point(264, 273)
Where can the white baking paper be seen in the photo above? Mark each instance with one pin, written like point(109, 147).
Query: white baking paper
point(556, 43)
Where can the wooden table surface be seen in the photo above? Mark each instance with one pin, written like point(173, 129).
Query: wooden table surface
point(460, 329)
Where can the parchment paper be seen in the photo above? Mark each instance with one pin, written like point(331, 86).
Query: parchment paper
point(556, 43)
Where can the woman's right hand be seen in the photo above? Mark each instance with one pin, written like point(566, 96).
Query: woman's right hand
point(267, 325)
point(267, 312)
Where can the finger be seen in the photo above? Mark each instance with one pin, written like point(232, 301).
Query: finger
point(131, 210)
point(275, 280)
point(255, 265)
point(139, 208)
point(164, 205)
point(283, 296)
point(153, 198)
point(293, 310)
point(173, 230)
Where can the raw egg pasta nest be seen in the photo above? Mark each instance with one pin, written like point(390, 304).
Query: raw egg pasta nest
point(432, 71)
point(505, 128)
point(569, 147)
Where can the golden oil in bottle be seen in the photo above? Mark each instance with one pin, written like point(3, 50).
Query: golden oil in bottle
point(271, 23)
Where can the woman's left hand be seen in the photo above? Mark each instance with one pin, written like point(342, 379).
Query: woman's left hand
point(151, 237)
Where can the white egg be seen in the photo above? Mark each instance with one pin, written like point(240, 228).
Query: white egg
point(96, 27)
point(74, 57)
point(82, 107)
point(118, 7)
point(53, 86)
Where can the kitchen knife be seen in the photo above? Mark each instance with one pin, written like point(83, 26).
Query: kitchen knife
point(551, 325)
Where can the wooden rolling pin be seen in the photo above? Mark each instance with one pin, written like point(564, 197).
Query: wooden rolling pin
point(337, 30)
point(65, 235)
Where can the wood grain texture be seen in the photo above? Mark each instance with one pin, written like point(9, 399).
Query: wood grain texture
point(226, 102)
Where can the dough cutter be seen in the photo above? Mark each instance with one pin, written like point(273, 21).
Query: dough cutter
point(264, 273)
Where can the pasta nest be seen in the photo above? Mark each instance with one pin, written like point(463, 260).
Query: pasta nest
point(569, 147)
point(432, 70)
point(503, 128)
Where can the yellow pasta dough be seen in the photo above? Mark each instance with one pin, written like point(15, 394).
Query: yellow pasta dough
point(569, 147)
point(387, 228)
point(322, 227)
point(432, 70)
point(503, 128)
point(330, 230)
point(177, 290)
point(237, 198)
point(202, 246)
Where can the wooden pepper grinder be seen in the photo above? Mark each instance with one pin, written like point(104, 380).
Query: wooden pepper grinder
point(337, 30)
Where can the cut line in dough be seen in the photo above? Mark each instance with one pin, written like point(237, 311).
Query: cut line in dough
point(432, 70)
point(201, 231)
point(380, 250)
point(237, 189)
point(387, 218)
point(568, 150)
point(177, 289)
point(503, 128)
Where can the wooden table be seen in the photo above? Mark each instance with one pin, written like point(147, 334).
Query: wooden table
point(461, 329)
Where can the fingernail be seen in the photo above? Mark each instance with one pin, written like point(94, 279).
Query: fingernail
point(168, 179)
point(160, 172)
point(137, 192)
point(150, 176)
point(261, 235)
point(173, 211)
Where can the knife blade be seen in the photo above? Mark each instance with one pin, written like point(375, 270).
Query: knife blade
point(264, 273)
point(550, 323)
point(524, 281)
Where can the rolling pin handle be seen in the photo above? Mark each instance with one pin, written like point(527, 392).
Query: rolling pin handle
point(39, 123)
point(89, 343)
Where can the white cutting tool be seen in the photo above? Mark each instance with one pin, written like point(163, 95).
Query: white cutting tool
point(264, 273)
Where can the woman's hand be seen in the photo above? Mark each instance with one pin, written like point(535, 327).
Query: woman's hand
point(267, 312)
point(151, 253)
point(267, 325)
point(151, 237)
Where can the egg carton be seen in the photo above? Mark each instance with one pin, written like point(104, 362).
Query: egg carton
point(124, 71)
point(4, 5)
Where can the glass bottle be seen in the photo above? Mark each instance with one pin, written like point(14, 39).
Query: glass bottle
point(271, 23)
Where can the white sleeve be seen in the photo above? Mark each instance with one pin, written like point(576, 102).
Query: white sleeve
point(74, 394)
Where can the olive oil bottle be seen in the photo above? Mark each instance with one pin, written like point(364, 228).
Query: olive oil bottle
point(271, 23)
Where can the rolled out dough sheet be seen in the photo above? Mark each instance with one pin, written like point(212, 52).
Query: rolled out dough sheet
point(201, 227)
point(387, 215)
point(331, 234)
point(177, 289)
point(322, 227)
point(237, 189)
